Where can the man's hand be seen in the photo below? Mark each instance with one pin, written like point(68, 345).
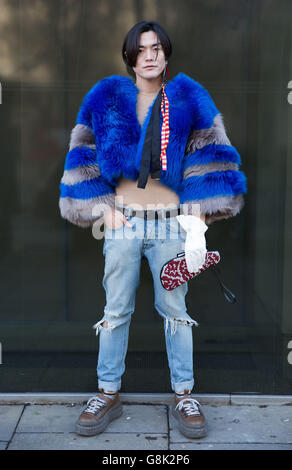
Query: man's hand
point(195, 245)
point(114, 219)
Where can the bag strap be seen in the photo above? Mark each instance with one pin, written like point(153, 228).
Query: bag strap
point(230, 297)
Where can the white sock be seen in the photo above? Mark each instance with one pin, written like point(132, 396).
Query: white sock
point(110, 395)
point(181, 394)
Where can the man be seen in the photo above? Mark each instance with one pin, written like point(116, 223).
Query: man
point(138, 152)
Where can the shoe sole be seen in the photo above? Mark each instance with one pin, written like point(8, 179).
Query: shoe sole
point(91, 430)
point(194, 433)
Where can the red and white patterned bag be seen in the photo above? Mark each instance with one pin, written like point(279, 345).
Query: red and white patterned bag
point(175, 272)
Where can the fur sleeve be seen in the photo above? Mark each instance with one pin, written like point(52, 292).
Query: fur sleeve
point(211, 172)
point(84, 193)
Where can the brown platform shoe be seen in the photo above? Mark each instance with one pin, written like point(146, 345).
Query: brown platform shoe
point(189, 416)
point(99, 412)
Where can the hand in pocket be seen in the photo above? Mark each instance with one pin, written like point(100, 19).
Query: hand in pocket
point(114, 219)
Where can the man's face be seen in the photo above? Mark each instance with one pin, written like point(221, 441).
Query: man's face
point(150, 53)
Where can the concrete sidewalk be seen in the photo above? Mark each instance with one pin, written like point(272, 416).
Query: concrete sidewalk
point(233, 424)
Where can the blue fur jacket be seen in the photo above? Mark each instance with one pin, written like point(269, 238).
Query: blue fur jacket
point(107, 142)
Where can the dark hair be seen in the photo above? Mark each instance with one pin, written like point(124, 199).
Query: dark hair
point(130, 48)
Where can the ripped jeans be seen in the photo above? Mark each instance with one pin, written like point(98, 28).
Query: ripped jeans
point(158, 241)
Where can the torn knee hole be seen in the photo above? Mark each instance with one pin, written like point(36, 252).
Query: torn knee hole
point(103, 324)
point(179, 321)
point(185, 322)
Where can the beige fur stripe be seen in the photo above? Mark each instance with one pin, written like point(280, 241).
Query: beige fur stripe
point(80, 174)
point(199, 170)
point(81, 135)
point(217, 208)
point(215, 134)
point(83, 212)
